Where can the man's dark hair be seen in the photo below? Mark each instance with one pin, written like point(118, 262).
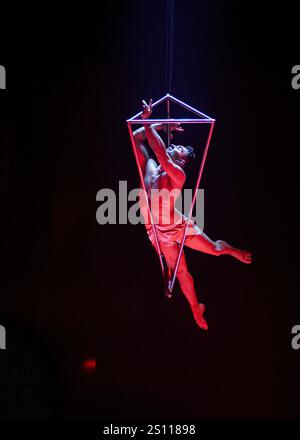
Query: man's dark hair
point(191, 155)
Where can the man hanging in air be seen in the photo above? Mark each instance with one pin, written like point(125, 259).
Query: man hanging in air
point(169, 222)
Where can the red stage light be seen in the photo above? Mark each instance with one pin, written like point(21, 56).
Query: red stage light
point(89, 365)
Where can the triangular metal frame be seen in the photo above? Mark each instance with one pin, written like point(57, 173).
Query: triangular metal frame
point(202, 119)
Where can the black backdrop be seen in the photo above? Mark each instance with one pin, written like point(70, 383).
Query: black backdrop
point(72, 289)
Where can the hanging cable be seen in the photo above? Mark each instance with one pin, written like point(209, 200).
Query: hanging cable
point(169, 57)
point(169, 44)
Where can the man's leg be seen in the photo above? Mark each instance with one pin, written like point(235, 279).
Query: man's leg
point(204, 244)
point(186, 282)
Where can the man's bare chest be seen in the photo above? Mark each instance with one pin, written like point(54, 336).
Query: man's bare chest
point(160, 180)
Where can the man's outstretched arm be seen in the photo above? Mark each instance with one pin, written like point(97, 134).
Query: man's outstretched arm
point(174, 171)
point(140, 138)
point(158, 146)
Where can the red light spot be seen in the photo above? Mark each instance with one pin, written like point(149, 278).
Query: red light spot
point(89, 365)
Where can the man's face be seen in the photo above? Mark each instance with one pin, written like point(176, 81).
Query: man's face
point(178, 152)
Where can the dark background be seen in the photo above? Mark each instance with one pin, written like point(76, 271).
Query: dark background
point(72, 289)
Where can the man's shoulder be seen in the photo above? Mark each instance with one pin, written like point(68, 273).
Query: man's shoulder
point(179, 173)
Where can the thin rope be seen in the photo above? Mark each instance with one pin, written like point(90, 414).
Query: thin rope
point(169, 57)
point(169, 44)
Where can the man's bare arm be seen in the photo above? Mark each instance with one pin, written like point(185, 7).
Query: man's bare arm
point(140, 134)
point(139, 138)
point(175, 172)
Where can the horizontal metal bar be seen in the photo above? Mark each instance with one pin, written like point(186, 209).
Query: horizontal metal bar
point(170, 121)
point(159, 101)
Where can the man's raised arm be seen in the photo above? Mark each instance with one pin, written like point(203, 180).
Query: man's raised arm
point(156, 143)
point(139, 139)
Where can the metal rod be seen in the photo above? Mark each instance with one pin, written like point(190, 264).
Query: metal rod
point(188, 107)
point(192, 205)
point(168, 115)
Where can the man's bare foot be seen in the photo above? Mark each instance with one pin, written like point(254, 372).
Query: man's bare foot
point(243, 256)
point(198, 312)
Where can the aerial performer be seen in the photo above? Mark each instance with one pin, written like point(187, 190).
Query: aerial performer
point(173, 230)
point(163, 171)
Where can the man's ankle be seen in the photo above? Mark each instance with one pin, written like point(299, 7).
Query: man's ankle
point(195, 306)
